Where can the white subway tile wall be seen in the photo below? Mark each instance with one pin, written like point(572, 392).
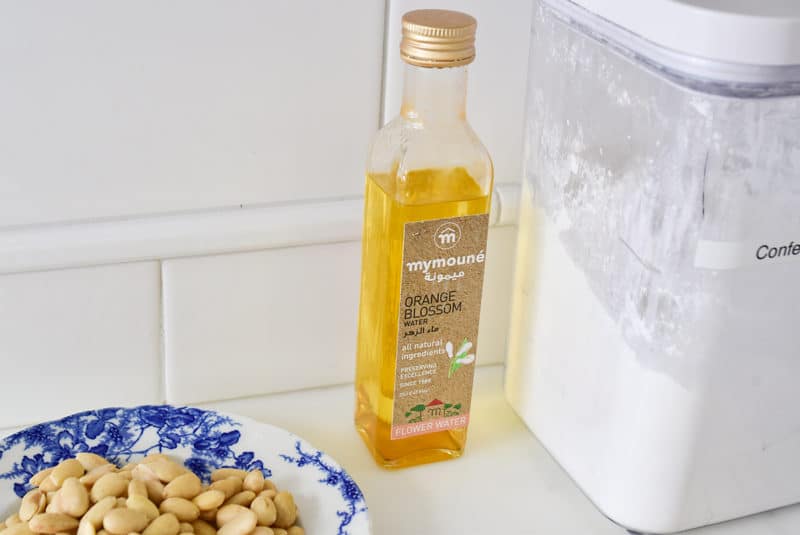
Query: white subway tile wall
point(77, 339)
point(141, 106)
point(496, 304)
point(189, 150)
point(497, 77)
point(270, 321)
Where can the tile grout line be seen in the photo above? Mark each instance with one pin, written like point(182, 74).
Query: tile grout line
point(319, 388)
point(200, 235)
point(162, 335)
point(384, 63)
point(179, 235)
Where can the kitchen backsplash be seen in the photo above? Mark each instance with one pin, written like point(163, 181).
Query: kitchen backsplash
point(180, 192)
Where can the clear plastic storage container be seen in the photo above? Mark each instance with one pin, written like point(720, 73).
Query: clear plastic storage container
point(655, 344)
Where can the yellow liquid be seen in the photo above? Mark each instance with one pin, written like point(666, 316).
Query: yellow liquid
point(390, 204)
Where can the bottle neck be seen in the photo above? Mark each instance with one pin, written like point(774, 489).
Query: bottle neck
point(433, 95)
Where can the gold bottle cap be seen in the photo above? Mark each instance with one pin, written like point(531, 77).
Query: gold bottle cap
point(438, 38)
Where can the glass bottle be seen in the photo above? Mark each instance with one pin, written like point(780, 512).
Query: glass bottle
point(428, 193)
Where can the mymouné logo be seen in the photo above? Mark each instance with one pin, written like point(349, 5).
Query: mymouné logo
point(447, 235)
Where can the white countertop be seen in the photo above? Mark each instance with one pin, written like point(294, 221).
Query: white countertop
point(505, 482)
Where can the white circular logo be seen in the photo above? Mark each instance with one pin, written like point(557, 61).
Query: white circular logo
point(447, 235)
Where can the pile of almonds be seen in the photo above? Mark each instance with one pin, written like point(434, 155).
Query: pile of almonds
point(88, 495)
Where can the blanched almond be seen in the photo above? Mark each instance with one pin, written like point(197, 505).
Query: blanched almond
point(166, 524)
point(165, 470)
point(210, 499)
point(226, 513)
point(203, 528)
point(155, 490)
point(10, 521)
point(136, 487)
point(90, 461)
point(295, 530)
point(142, 504)
point(242, 498)
point(52, 522)
point(37, 478)
point(186, 485)
point(241, 524)
point(265, 511)
point(263, 530)
point(54, 504)
point(254, 481)
point(96, 473)
point(66, 469)
point(96, 512)
point(111, 484)
point(123, 521)
point(33, 503)
point(18, 529)
point(187, 527)
point(48, 485)
point(73, 498)
point(269, 493)
point(86, 528)
point(286, 508)
point(143, 472)
point(229, 485)
point(183, 509)
point(224, 473)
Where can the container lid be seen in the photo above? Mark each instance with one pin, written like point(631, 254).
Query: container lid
point(755, 32)
point(438, 38)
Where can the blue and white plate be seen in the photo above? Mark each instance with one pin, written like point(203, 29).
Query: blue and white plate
point(329, 501)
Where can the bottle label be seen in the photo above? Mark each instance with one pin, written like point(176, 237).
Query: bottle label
point(719, 255)
point(437, 336)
